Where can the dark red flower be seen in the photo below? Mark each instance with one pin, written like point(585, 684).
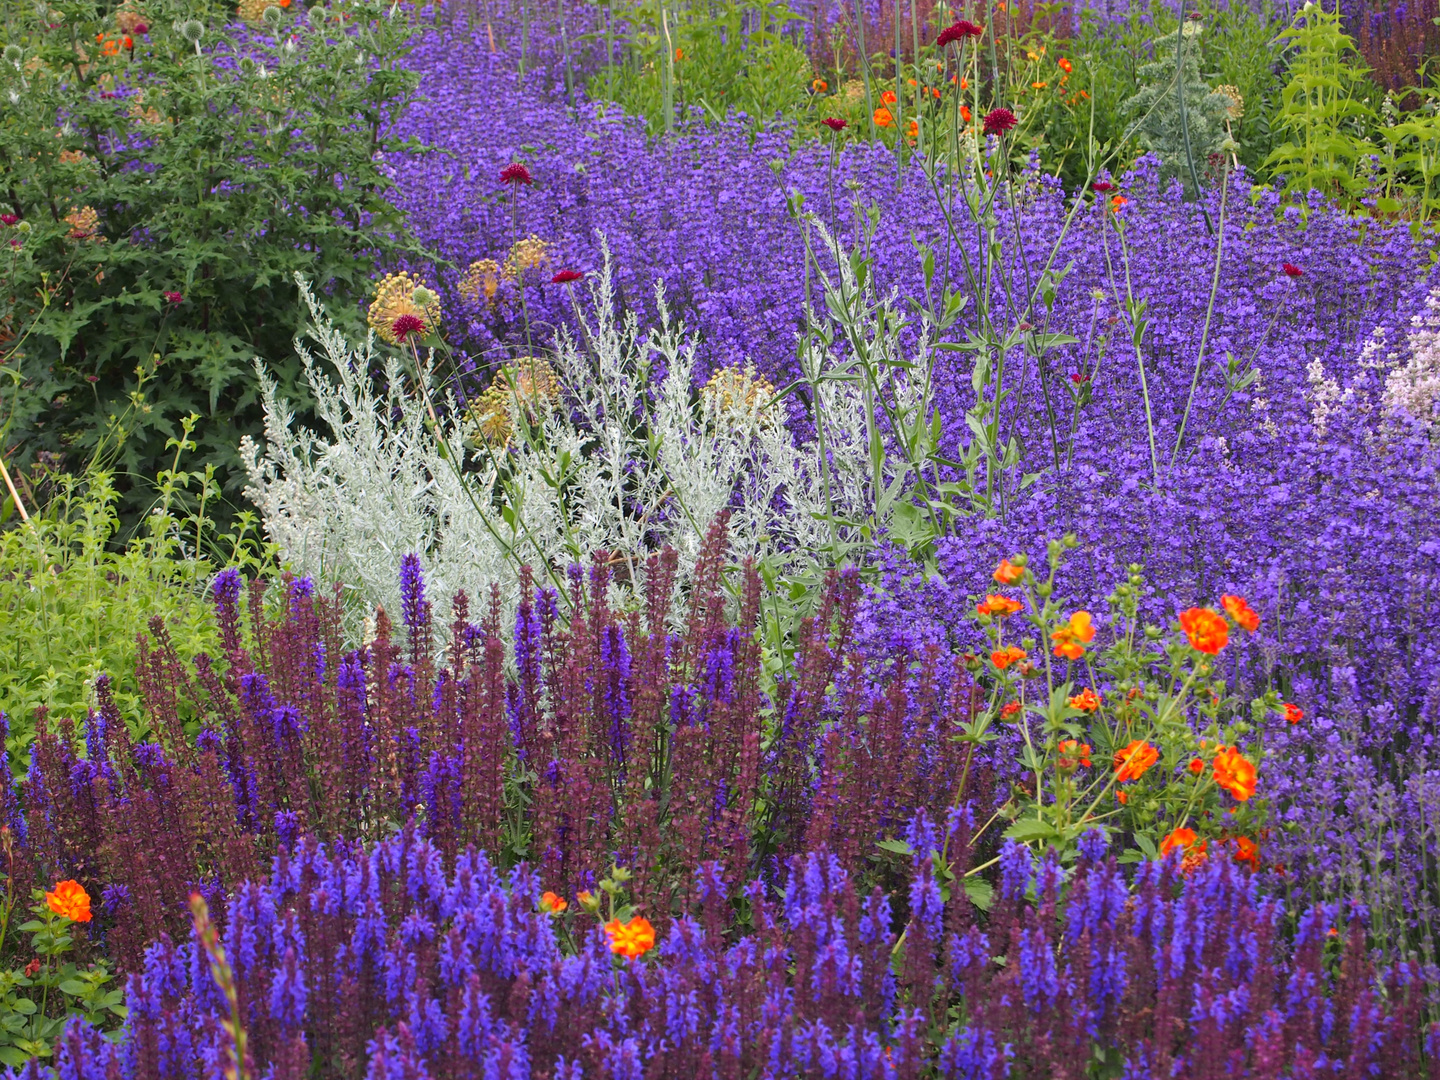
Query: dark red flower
point(834, 123)
point(564, 277)
point(406, 325)
point(1078, 379)
point(999, 121)
point(92, 378)
point(8, 219)
point(1291, 270)
point(141, 28)
point(515, 173)
point(961, 31)
point(174, 297)
point(1103, 186)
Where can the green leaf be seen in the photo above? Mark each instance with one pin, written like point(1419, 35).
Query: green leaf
point(1146, 845)
point(980, 892)
point(899, 847)
point(1029, 828)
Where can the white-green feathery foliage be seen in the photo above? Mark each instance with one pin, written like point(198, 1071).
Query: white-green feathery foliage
point(629, 462)
point(1156, 107)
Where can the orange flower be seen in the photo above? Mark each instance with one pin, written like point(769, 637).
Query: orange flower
point(819, 86)
point(1086, 700)
point(1235, 773)
point(1073, 755)
point(1065, 65)
point(632, 939)
point(1207, 630)
point(911, 81)
point(1181, 838)
point(887, 98)
point(1010, 709)
point(1241, 612)
point(1122, 797)
point(1038, 85)
point(1197, 766)
point(552, 903)
point(1117, 202)
point(883, 118)
point(913, 131)
point(1134, 761)
point(1292, 712)
point(1247, 851)
point(965, 113)
point(71, 900)
point(1007, 573)
point(1068, 638)
point(1003, 658)
point(679, 54)
point(999, 606)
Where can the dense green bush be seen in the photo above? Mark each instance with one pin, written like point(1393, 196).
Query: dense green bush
point(71, 605)
point(170, 172)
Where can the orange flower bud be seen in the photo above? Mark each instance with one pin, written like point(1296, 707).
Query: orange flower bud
point(1007, 573)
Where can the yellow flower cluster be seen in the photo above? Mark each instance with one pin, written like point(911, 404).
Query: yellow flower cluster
point(1236, 109)
point(84, 224)
point(532, 253)
point(399, 295)
point(528, 382)
point(253, 11)
point(736, 392)
point(482, 278)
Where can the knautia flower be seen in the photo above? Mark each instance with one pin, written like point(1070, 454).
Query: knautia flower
point(999, 121)
point(960, 32)
point(398, 296)
point(516, 173)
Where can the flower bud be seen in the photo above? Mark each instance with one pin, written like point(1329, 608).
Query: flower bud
point(423, 297)
point(14, 54)
point(247, 65)
point(317, 16)
point(272, 15)
point(192, 30)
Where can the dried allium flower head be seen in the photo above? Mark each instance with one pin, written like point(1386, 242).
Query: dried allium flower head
point(84, 224)
point(529, 383)
point(532, 253)
point(852, 92)
point(482, 278)
point(738, 394)
point(398, 295)
point(253, 11)
point(72, 157)
point(1236, 109)
point(130, 21)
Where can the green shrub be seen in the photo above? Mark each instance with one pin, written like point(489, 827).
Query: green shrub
point(170, 183)
point(71, 606)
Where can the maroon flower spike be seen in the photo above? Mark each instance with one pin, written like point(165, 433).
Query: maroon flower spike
point(406, 325)
point(999, 121)
point(175, 297)
point(961, 31)
point(1103, 186)
point(515, 173)
point(564, 277)
point(834, 123)
point(1291, 270)
point(8, 219)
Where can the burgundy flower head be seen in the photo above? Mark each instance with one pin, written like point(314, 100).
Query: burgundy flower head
point(564, 277)
point(1291, 270)
point(142, 28)
point(515, 173)
point(1103, 186)
point(8, 219)
point(961, 31)
point(999, 121)
point(406, 325)
point(174, 297)
point(834, 123)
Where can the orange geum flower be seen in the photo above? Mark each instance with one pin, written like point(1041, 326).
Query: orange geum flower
point(1007, 573)
point(883, 118)
point(1197, 766)
point(552, 903)
point(1086, 700)
point(1134, 760)
point(1065, 65)
point(1181, 838)
point(632, 939)
point(70, 900)
point(1073, 755)
point(887, 98)
point(1010, 710)
point(1293, 713)
point(1241, 612)
point(1070, 637)
point(998, 607)
point(1247, 851)
point(1117, 202)
point(1235, 773)
point(1206, 630)
point(965, 113)
point(1003, 658)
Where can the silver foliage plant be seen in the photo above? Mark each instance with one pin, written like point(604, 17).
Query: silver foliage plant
point(632, 460)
